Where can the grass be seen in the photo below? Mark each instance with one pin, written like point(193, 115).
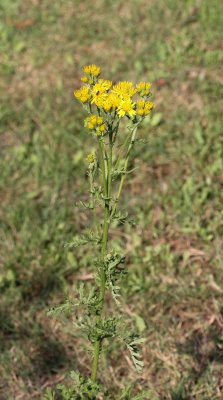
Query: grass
point(174, 285)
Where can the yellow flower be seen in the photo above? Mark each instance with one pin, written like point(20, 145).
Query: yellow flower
point(84, 79)
point(143, 88)
point(100, 130)
point(83, 94)
point(140, 111)
point(99, 91)
point(91, 158)
point(101, 86)
point(92, 70)
point(112, 101)
point(124, 88)
point(95, 123)
point(148, 107)
point(98, 99)
point(126, 106)
point(143, 107)
point(91, 121)
point(141, 103)
point(99, 120)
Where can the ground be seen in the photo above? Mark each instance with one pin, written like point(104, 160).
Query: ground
point(174, 255)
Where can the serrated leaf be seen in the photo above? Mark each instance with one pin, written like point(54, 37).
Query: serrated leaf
point(90, 236)
point(61, 309)
point(78, 241)
point(84, 204)
point(138, 341)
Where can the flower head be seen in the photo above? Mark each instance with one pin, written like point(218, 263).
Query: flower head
point(99, 91)
point(83, 94)
point(143, 88)
point(143, 107)
point(91, 158)
point(124, 88)
point(126, 107)
point(102, 86)
point(98, 99)
point(85, 79)
point(92, 69)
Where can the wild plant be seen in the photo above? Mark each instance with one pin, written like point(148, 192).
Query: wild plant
point(112, 109)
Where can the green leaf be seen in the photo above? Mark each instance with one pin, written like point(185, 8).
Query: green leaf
point(90, 236)
point(84, 204)
point(61, 309)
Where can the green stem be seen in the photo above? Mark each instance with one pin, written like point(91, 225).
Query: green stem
point(97, 348)
point(122, 150)
point(106, 167)
point(110, 166)
point(107, 177)
point(91, 180)
point(106, 223)
point(132, 140)
point(102, 164)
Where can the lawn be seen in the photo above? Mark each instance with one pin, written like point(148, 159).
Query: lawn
point(174, 288)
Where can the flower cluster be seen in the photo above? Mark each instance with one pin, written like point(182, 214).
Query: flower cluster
point(120, 100)
point(83, 94)
point(92, 72)
point(96, 124)
point(143, 107)
point(143, 88)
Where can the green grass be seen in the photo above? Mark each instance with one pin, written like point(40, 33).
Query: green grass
point(174, 286)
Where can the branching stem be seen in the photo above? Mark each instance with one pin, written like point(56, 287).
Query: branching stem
point(106, 167)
